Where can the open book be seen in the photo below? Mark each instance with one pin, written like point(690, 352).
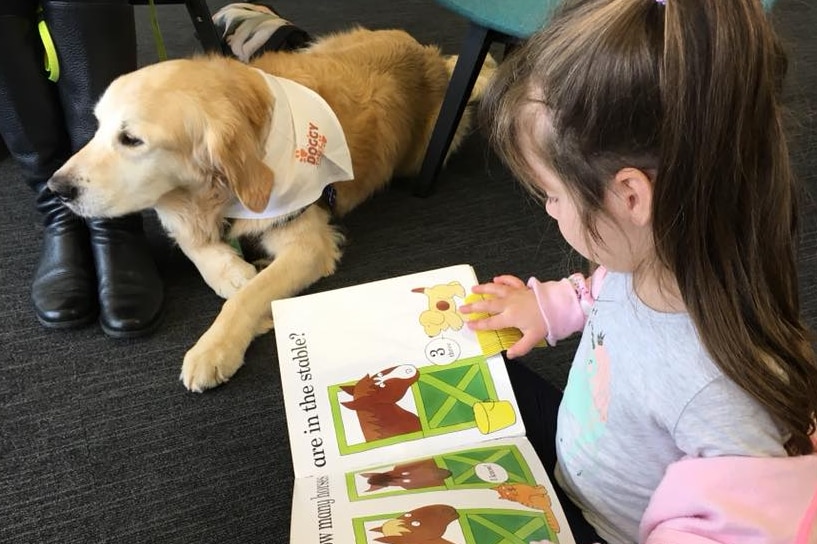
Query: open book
point(402, 429)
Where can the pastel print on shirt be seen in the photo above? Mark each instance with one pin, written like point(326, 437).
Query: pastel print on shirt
point(586, 398)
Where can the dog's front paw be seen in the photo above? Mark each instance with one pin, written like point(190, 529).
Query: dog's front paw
point(230, 279)
point(209, 363)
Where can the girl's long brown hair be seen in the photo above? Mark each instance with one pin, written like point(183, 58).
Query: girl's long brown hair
point(690, 91)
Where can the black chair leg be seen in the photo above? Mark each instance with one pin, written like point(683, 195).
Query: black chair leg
point(205, 29)
point(202, 19)
point(469, 63)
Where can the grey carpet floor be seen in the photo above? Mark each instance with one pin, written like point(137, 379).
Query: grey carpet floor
point(99, 442)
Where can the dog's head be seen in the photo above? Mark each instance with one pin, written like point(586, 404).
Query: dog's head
point(191, 124)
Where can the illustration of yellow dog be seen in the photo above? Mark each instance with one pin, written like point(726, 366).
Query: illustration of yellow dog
point(442, 311)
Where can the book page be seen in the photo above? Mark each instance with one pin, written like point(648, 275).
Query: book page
point(387, 370)
point(496, 491)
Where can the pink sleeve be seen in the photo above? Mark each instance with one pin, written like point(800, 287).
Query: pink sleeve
point(734, 500)
point(565, 304)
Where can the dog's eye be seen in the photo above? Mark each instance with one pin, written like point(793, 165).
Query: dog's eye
point(128, 140)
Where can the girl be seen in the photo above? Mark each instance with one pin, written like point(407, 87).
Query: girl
point(652, 130)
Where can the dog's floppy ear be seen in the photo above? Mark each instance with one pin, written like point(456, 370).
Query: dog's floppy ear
point(239, 161)
point(235, 145)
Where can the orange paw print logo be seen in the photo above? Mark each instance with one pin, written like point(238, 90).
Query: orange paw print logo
point(312, 153)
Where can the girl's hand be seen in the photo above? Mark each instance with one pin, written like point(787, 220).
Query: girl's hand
point(513, 305)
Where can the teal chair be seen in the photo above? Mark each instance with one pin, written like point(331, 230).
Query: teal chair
point(490, 21)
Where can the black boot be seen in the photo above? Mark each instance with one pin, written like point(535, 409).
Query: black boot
point(96, 42)
point(131, 293)
point(64, 287)
point(31, 123)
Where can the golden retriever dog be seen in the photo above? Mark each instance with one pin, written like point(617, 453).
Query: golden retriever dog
point(188, 137)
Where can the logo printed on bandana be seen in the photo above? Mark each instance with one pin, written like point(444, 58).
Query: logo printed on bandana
point(315, 144)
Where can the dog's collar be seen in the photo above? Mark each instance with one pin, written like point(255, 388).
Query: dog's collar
point(327, 199)
point(306, 148)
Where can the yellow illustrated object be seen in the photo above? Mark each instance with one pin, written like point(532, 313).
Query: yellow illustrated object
point(493, 342)
point(494, 415)
point(442, 313)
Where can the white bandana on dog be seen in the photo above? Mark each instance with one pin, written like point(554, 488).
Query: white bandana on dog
point(306, 148)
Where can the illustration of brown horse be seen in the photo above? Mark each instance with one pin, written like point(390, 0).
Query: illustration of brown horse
point(374, 399)
point(414, 475)
point(424, 525)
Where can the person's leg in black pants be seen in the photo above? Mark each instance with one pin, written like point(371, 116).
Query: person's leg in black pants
point(95, 42)
point(87, 268)
point(539, 406)
point(33, 127)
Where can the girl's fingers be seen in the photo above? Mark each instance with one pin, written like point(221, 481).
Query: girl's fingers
point(490, 306)
point(510, 281)
point(479, 289)
point(494, 289)
point(492, 323)
point(522, 346)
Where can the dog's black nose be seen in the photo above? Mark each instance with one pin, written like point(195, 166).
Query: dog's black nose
point(64, 189)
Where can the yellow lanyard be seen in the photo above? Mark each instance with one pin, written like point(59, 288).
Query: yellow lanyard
point(52, 63)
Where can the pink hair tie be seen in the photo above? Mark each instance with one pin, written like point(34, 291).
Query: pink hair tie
point(662, 2)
